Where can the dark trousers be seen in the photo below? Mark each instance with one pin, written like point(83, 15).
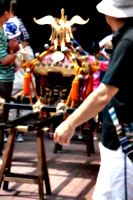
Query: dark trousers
point(5, 93)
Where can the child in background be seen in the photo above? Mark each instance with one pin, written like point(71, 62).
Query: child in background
point(14, 28)
point(6, 65)
point(105, 46)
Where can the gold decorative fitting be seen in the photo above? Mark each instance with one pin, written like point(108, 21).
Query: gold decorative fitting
point(61, 28)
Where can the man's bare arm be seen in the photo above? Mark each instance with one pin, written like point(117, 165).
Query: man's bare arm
point(9, 59)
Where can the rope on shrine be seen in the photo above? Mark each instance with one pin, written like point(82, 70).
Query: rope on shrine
point(18, 95)
point(37, 107)
point(62, 108)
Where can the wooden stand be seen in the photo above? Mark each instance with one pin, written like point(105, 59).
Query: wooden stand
point(6, 176)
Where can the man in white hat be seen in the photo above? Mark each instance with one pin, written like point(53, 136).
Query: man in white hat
point(115, 178)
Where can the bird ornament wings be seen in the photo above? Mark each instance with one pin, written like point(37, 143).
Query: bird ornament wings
point(60, 28)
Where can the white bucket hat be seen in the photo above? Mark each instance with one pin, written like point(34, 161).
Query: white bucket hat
point(116, 8)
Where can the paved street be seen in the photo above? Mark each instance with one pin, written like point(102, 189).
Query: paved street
point(72, 173)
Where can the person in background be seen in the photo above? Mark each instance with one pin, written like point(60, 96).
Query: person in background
point(14, 28)
point(115, 176)
point(6, 65)
point(105, 48)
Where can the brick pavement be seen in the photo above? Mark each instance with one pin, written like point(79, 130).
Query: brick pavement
point(72, 173)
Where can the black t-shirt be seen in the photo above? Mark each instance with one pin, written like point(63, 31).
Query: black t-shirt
point(120, 75)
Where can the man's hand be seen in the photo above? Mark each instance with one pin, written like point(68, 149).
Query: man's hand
point(104, 55)
point(64, 133)
point(13, 45)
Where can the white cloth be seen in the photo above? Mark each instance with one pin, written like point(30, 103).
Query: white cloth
point(103, 42)
point(11, 28)
point(19, 75)
point(106, 39)
point(110, 181)
point(19, 79)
